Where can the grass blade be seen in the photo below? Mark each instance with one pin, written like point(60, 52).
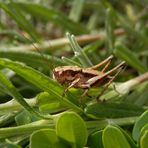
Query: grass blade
point(76, 10)
point(128, 56)
point(52, 15)
point(78, 51)
point(14, 93)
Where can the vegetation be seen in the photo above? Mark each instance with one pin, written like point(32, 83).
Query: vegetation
point(37, 36)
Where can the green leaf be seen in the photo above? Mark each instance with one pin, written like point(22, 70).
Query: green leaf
point(113, 137)
point(71, 128)
point(23, 117)
point(144, 140)
point(112, 110)
point(95, 140)
point(145, 128)
point(140, 123)
point(47, 103)
point(7, 118)
point(45, 138)
point(49, 14)
point(130, 57)
point(129, 138)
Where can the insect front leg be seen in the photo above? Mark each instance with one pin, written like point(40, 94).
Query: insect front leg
point(71, 85)
point(85, 93)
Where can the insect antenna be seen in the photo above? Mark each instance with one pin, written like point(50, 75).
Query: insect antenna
point(36, 46)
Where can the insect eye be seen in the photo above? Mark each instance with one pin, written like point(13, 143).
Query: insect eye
point(60, 72)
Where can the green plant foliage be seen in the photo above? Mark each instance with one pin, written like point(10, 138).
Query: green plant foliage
point(71, 128)
point(47, 103)
point(130, 57)
point(54, 16)
point(34, 77)
point(42, 105)
point(23, 118)
point(31, 58)
point(45, 138)
point(140, 123)
point(113, 137)
point(10, 144)
point(12, 91)
point(95, 140)
point(14, 11)
point(112, 110)
point(143, 140)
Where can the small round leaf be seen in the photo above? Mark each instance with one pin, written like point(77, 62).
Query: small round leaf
point(71, 128)
point(95, 140)
point(113, 137)
point(45, 138)
point(144, 140)
point(141, 121)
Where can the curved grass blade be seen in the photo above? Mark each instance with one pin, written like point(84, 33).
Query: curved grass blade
point(78, 51)
point(14, 93)
point(38, 79)
point(31, 58)
point(128, 56)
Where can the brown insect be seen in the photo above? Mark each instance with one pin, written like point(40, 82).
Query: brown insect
point(85, 78)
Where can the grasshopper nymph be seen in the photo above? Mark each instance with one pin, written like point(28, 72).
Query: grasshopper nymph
point(85, 78)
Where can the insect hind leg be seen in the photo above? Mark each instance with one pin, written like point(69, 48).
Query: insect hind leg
point(110, 81)
point(106, 61)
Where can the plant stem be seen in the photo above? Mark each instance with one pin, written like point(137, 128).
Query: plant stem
point(99, 124)
point(25, 129)
point(13, 105)
point(58, 43)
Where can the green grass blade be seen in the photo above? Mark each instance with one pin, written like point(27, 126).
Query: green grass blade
point(110, 25)
point(32, 58)
point(124, 53)
point(70, 62)
point(4, 81)
point(77, 8)
point(78, 51)
point(49, 14)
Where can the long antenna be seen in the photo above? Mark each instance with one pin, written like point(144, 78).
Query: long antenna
point(36, 46)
